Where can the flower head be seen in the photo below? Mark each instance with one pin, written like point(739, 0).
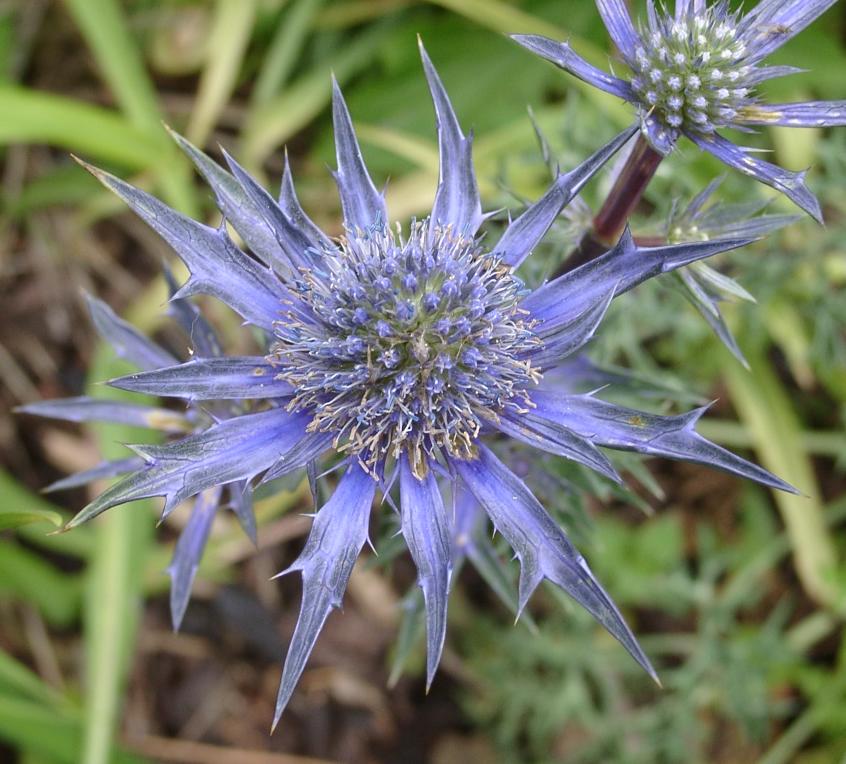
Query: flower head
point(696, 71)
point(399, 353)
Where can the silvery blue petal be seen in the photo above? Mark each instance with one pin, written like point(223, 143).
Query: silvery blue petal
point(563, 56)
point(763, 73)
point(335, 541)
point(241, 502)
point(549, 436)
point(709, 308)
point(562, 337)
point(541, 546)
point(457, 203)
point(772, 23)
point(85, 409)
point(621, 269)
point(524, 234)
point(471, 540)
point(232, 450)
point(427, 533)
point(217, 266)
point(363, 206)
point(618, 22)
point(673, 437)
point(309, 448)
point(189, 549)
point(791, 184)
point(127, 341)
point(290, 205)
point(805, 114)
point(102, 471)
point(208, 379)
point(201, 334)
point(238, 208)
point(290, 240)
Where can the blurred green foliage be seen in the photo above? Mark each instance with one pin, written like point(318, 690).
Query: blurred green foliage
point(754, 666)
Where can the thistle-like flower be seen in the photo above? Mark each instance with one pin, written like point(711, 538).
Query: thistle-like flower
point(695, 71)
point(397, 353)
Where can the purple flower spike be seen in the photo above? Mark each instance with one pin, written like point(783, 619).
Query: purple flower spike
point(398, 353)
point(694, 71)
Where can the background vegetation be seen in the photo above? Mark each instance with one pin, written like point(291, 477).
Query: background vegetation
point(738, 594)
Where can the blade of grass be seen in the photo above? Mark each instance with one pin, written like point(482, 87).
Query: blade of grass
point(29, 578)
point(270, 125)
point(16, 509)
point(230, 34)
point(763, 406)
point(114, 580)
point(285, 48)
point(33, 117)
point(104, 28)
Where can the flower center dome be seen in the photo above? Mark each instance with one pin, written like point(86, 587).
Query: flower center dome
point(690, 74)
point(413, 344)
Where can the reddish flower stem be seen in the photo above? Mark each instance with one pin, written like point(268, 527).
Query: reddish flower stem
point(622, 200)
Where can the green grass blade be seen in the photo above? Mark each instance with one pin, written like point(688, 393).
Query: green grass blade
point(122, 540)
point(30, 578)
point(269, 126)
point(763, 406)
point(228, 40)
point(285, 48)
point(30, 116)
point(19, 507)
point(105, 30)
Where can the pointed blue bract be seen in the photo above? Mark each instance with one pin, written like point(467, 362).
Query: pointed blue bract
point(225, 453)
point(290, 240)
point(363, 206)
point(621, 269)
point(791, 184)
point(562, 55)
point(562, 336)
point(426, 529)
point(457, 202)
point(189, 549)
point(208, 379)
point(237, 207)
point(290, 205)
point(241, 503)
point(672, 437)
point(217, 266)
point(526, 232)
point(126, 340)
point(102, 471)
point(541, 546)
point(556, 439)
point(203, 339)
point(336, 538)
point(84, 409)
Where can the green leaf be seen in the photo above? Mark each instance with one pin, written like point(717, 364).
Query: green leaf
point(30, 578)
point(114, 588)
point(30, 116)
point(105, 30)
point(286, 47)
point(765, 409)
point(228, 40)
point(270, 125)
point(18, 506)
point(14, 518)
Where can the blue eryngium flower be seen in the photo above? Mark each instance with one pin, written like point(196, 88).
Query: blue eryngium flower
point(398, 353)
point(695, 71)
